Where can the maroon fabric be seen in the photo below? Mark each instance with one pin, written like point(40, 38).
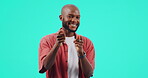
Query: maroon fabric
point(60, 67)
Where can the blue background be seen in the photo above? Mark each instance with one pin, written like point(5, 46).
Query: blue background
point(118, 29)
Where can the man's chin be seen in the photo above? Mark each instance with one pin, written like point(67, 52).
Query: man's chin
point(72, 30)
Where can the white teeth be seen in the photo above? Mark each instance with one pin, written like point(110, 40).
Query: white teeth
point(73, 24)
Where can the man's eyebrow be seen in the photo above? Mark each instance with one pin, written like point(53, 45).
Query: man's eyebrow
point(73, 14)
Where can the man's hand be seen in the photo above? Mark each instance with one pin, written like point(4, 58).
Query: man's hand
point(60, 36)
point(79, 45)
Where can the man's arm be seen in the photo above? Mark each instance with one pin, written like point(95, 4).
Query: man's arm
point(86, 67)
point(49, 60)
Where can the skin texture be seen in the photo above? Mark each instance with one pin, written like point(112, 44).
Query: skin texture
point(70, 17)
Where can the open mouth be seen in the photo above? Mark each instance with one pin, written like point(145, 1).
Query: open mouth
point(72, 25)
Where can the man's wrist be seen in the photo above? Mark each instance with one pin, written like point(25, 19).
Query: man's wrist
point(57, 45)
point(82, 55)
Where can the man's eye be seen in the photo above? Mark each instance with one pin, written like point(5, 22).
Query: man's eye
point(70, 16)
point(78, 17)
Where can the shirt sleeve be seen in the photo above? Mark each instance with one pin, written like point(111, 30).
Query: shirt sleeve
point(44, 48)
point(90, 53)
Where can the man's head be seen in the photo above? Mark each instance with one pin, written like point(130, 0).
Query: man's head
point(70, 17)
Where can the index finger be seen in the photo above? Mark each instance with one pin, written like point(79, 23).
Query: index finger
point(80, 37)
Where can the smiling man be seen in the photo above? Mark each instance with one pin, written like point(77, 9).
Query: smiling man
point(66, 54)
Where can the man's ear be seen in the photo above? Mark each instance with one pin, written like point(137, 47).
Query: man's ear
point(61, 18)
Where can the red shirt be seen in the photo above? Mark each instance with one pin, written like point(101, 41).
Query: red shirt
point(60, 67)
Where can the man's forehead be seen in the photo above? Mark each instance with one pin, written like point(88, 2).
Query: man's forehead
point(71, 12)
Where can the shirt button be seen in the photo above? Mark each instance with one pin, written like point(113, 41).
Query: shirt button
point(66, 60)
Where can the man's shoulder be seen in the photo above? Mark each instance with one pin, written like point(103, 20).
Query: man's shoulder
point(87, 43)
point(85, 38)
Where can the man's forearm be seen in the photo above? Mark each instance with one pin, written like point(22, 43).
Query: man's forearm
point(86, 67)
point(50, 58)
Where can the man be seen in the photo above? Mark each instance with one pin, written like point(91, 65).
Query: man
point(65, 54)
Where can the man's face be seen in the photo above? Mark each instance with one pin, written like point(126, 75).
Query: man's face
point(71, 19)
